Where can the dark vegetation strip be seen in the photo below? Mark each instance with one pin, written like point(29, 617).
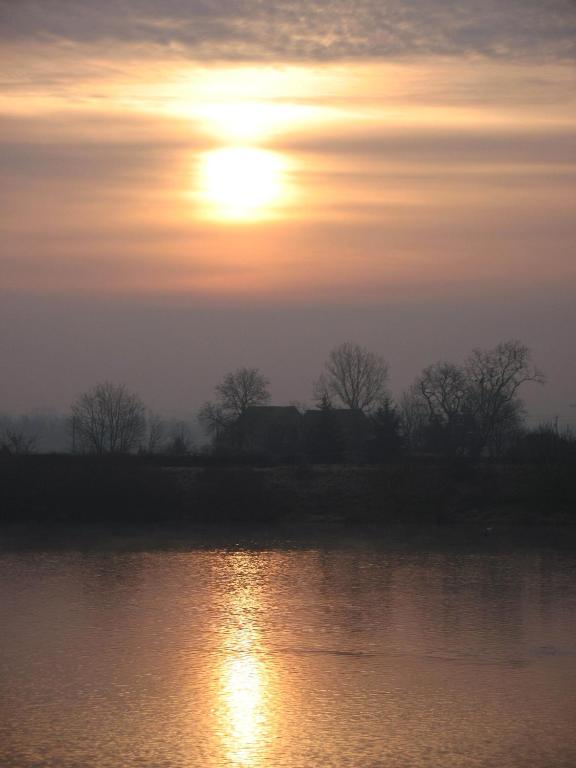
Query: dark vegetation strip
point(86, 490)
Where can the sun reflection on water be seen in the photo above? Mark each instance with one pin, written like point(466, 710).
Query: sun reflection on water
point(242, 686)
point(244, 683)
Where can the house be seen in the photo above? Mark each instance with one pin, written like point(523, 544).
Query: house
point(274, 431)
point(324, 436)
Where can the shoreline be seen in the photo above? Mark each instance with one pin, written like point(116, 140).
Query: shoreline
point(303, 534)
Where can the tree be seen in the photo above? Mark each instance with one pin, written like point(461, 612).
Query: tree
point(16, 442)
point(19, 434)
point(386, 428)
point(242, 388)
point(444, 389)
point(493, 378)
point(444, 392)
point(155, 433)
point(108, 419)
point(475, 407)
point(237, 391)
point(180, 442)
point(413, 419)
point(355, 377)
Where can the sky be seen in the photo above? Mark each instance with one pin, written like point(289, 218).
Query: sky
point(188, 186)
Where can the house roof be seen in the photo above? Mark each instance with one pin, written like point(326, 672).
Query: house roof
point(270, 413)
point(341, 415)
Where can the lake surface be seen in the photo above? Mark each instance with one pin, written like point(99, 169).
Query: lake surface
point(357, 653)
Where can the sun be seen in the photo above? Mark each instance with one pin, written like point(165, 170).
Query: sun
point(242, 183)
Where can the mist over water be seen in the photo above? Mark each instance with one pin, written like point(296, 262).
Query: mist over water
point(362, 653)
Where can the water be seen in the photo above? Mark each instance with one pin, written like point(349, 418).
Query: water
point(364, 654)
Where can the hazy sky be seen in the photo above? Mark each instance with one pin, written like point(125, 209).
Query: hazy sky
point(193, 185)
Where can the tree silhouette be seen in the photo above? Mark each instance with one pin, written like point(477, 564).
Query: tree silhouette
point(386, 428)
point(237, 391)
point(108, 419)
point(494, 377)
point(475, 407)
point(353, 376)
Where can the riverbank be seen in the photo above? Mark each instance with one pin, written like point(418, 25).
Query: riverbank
point(72, 490)
point(285, 536)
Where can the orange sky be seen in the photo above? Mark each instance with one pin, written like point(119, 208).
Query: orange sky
point(325, 166)
point(220, 180)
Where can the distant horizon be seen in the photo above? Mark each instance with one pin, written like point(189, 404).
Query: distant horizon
point(562, 417)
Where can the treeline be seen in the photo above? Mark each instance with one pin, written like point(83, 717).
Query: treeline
point(472, 410)
point(49, 433)
point(452, 448)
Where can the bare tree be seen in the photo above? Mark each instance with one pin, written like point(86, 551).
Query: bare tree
point(443, 388)
point(443, 391)
point(242, 388)
point(180, 442)
point(16, 442)
point(156, 432)
point(494, 377)
point(321, 392)
point(413, 418)
point(19, 434)
point(354, 376)
point(108, 419)
point(237, 391)
point(214, 418)
point(475, 407)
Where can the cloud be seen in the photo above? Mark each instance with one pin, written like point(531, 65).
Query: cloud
point(448, 147)
point(305, 30)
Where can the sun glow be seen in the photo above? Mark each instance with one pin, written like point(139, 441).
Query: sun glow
point(248, 122)
point(242, 183)
point(242, 104)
